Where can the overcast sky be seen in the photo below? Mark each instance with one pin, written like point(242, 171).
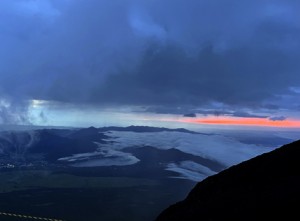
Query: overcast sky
point(209, 57)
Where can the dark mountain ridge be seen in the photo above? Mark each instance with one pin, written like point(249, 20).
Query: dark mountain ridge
point(153, 157)
point(144, 129)
point(265, 187)
point(57, 148)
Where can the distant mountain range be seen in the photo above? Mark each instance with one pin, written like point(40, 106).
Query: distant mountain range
point(120, 173)
point(125, 151)
point(264, 188)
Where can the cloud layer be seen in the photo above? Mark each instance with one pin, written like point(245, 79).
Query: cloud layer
point(219, 148)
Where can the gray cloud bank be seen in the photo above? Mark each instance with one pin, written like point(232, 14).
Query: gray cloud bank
point(151, 52)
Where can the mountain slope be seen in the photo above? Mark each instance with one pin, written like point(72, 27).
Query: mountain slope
point(265, 187)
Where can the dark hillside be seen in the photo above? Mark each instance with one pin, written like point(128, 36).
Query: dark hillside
point(266, 187)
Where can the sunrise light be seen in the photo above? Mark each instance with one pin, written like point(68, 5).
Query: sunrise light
point(258, 122)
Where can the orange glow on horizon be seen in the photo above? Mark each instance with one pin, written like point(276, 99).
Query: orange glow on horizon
point(260, 122)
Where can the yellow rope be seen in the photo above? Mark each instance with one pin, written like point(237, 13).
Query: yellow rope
point(28, 217)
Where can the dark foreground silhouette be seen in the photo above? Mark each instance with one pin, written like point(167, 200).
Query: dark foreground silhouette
point(264, 188)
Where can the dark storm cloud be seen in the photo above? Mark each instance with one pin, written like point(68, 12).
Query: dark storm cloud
point(237, 77)
point(151, 52)
point(190, 115)
point(227, 111)
point(13, 112)
point(280, 118)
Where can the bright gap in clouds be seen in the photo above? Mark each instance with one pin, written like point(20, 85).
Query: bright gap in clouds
point(244, 121)
point(46, 113)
